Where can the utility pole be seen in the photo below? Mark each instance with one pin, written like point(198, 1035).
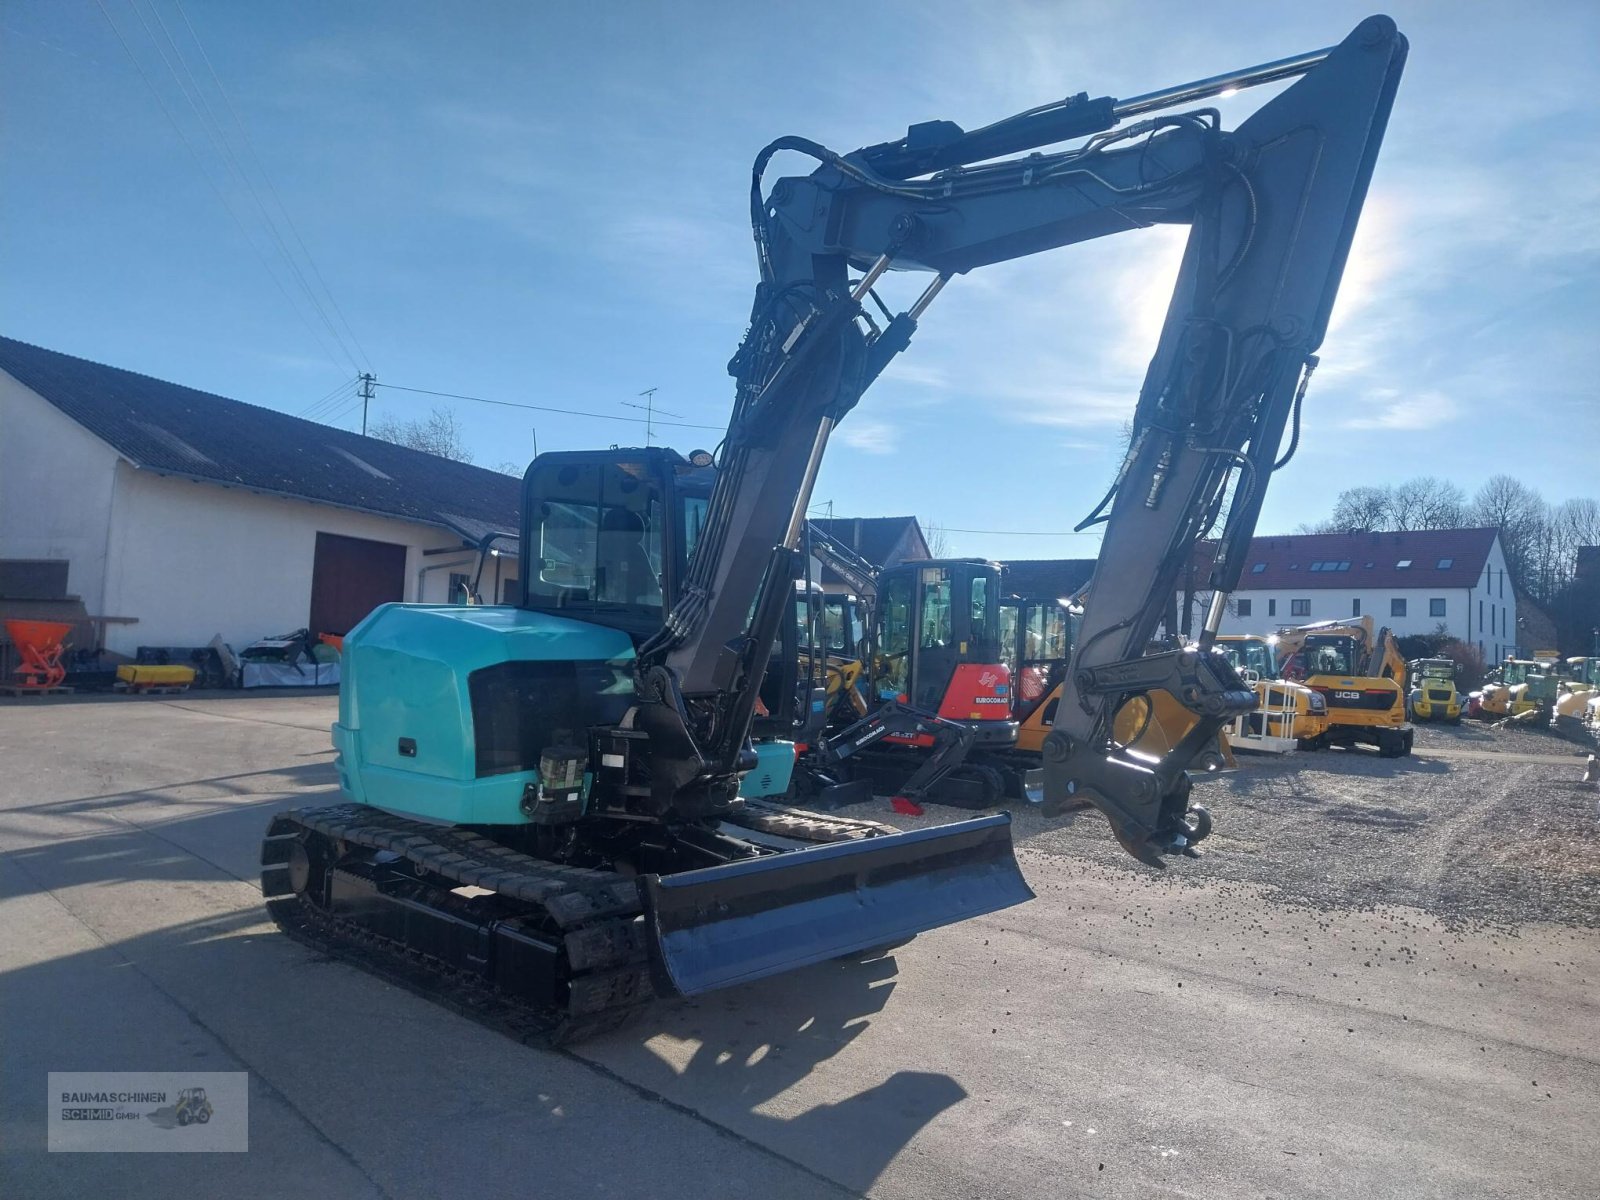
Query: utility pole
point(649, 407)
point(368, 381)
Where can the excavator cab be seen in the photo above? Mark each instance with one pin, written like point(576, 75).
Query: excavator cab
point(1036, 641)
point(937, 644)
point(1253, 657)
point(1357, 669)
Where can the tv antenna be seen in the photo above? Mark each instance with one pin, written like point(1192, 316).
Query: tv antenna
point(650, 411)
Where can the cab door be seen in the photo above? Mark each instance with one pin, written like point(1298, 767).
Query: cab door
point(941, 636)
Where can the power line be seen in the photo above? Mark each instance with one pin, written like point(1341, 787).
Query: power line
point(211, 183)
point(568, 412)
point(327, 400)
point(213, 130)
point(1021, 532)
point(250, 147)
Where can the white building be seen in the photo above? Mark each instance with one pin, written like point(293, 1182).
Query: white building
point(1420, 581)
point(180, 515)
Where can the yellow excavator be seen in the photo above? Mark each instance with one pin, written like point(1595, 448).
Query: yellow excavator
point(1361, 675)
point(1036, 640)
point(1288, 715)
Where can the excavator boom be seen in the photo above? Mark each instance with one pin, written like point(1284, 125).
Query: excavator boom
point(1272, 207)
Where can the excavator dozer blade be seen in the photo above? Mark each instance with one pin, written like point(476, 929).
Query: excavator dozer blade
point(745, 920)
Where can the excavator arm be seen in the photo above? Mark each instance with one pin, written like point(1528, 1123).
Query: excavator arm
point(1271, 205)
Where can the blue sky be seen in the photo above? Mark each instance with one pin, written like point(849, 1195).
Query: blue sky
point(548, 204)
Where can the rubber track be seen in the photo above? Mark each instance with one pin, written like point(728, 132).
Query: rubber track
point(595, 911)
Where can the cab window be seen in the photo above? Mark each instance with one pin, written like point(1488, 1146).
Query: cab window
point(596, 536)
point(1008, 636)
point(935, 584)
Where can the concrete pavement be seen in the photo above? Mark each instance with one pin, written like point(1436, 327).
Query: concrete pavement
point(1126, 1034)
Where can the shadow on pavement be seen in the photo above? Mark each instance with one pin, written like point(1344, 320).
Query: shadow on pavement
point(738, 1057)
point(114, 847)
point(735, 1059)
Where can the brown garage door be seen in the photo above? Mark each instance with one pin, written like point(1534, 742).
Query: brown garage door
point(352, 576)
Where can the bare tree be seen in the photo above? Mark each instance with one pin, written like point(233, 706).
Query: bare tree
point(1518, 512)
point(1427, 502)
point(938, 541)
point(1579, 519)
point(1421, 503)
point(1505, 502)
point(437, 433)
point(1360, 508)
point(512, 468)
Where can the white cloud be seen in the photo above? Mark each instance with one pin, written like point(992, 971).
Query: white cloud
point(869, 435)
point(1387, 408)
point(909, 371)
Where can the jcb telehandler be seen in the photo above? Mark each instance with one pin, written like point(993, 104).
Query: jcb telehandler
point(1359, 672)
point(541, 813)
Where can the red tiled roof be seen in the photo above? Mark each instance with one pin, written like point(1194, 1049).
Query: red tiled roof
point(1450, 558)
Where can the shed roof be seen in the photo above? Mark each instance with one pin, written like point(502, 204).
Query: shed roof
point(170, 429)
point(1040, 578)
point(874, 538)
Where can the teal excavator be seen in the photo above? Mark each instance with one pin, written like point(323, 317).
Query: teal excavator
point(547, 812)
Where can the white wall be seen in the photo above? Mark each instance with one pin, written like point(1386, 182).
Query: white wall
point(191, 560)
point(1334, 604)
point(187, 560)
point(1496, 632)
point(55, 490)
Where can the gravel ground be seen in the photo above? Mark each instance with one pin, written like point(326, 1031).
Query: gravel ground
point(1480, 827)
point(1570, 739)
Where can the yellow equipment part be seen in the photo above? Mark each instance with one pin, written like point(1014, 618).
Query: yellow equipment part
point(1426, 709)
point(1500, 700)
point(1433, 690)
point(842, 675)
point(1157, 735)
point(147, 675)
point(1494, 700)
point(1285, 710)
point(1575, 701)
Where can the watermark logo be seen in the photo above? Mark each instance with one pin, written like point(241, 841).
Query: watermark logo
point(148, 1111)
